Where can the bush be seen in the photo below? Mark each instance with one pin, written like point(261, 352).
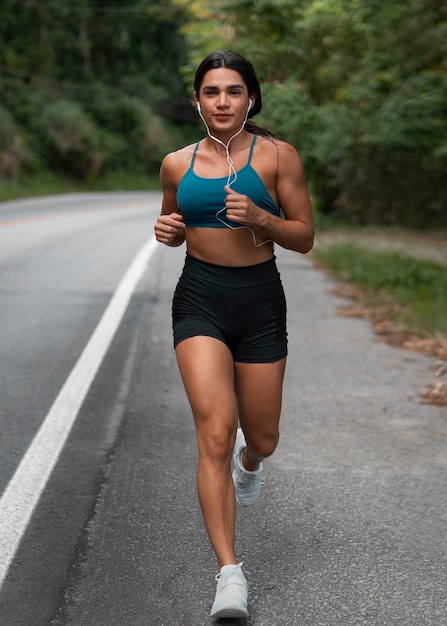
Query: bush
point(383, 159)
point(14, 153)
point(133, 135)
point(287, 112)
point(72, 139)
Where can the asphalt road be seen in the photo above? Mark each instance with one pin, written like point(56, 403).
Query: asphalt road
point(351, 527)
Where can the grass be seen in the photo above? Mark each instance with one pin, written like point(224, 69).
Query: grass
point(411, 291)
point(48, 183)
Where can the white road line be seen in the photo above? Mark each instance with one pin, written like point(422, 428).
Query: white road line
point(22, 494)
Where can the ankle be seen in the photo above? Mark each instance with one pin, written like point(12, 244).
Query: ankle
point(249, 461)
point(225, 563)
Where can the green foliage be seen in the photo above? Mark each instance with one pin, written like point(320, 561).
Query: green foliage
point(385, 158)
point(126, 119)
point(72, 139)
point(382, 132)
point(255, 28)
point(418, 288)
point(14, 153)
point(279, 99)
point(93, 86)
point(359, 87)
point(48, 183)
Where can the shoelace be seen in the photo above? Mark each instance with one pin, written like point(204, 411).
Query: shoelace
point(247, 480)
point(228, 574)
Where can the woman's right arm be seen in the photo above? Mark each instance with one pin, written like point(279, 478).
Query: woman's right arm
point(169, 227)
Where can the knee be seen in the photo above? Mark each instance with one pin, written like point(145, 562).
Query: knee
point(216, 445)
point(264, 445)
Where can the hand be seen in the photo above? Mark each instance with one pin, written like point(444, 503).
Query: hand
point(241, 209)
point(170, 229)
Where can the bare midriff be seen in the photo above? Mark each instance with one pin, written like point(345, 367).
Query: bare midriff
point(227, 247)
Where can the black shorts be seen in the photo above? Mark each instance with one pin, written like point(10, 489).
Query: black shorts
point(244, 307)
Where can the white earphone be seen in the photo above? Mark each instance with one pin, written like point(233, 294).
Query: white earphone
point(198, 107)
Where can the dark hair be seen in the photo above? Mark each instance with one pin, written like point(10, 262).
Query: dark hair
point(238, 63)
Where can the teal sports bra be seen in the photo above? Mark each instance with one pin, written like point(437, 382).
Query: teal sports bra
point(200, 199)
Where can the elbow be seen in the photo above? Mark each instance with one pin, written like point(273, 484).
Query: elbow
point(308, 244)
point(303, 247)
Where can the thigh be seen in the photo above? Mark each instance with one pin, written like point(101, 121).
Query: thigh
point(207, 370)
point(264, 315)
point(259, 396)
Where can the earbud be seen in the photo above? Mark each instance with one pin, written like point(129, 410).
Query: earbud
point(250, 104)
point(198, 107)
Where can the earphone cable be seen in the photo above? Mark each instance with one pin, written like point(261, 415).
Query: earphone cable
point(232, 172)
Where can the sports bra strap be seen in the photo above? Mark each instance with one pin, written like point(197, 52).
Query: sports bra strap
point(251, 147)
point(194, 155)
point(249, 154)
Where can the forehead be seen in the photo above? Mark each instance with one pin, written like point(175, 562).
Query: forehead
point(222, 77)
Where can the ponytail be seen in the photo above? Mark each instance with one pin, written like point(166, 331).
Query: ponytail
point(254, 129)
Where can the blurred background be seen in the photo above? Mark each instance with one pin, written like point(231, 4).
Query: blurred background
point(93, 94)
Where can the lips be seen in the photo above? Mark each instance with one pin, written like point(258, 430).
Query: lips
point(222, 117)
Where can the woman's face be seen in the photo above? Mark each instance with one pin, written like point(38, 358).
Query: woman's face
point(224, 99)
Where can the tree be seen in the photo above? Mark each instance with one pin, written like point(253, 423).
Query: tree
point(360, 86)
point(99, 63)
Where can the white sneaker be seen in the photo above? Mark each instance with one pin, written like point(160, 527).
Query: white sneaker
point(247, 484)
point(231, 593)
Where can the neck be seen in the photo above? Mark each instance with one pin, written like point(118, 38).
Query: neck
point(223, 142)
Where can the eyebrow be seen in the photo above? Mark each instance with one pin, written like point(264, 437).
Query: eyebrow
point(236, 86)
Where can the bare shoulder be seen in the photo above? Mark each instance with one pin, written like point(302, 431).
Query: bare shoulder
point(281, 151)
point(181, 155)
point(286, 151)
point(289, 160)
point(278, 158)
point(175, 164)
point(273, 144)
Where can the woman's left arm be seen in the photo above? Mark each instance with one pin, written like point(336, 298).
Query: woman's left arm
point(296, 231)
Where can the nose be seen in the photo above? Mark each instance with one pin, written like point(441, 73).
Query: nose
point(222, 100)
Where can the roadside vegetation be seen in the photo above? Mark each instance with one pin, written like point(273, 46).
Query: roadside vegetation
point(412, 291)
point(92, 88)
point(396, 279)
point(48, 183)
